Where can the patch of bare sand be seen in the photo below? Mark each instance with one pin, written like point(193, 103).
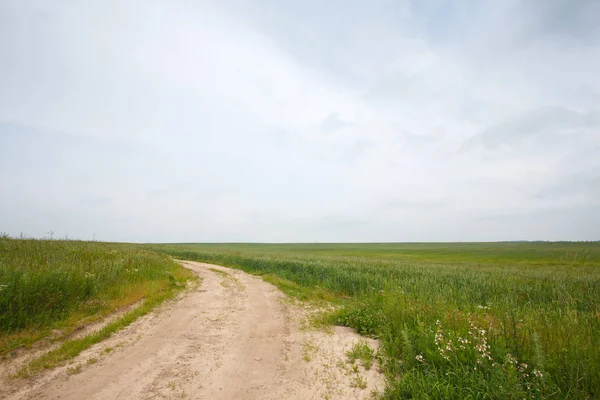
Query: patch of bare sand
point(233, 337)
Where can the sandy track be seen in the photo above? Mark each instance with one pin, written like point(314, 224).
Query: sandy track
point(233, 337)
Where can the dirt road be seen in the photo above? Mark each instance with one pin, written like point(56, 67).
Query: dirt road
point(233, 337)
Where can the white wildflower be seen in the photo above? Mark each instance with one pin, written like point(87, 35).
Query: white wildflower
point(440, 341)
point(522, 367)
point(537, 373)
point(480, 342)
point(511, 359)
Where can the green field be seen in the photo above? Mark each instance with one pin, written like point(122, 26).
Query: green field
point(51, 288)
point(464, 320)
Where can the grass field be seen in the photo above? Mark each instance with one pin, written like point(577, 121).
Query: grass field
point(475, 320)
point(50, 286)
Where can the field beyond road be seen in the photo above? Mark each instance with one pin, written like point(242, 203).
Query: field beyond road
point(481, 320)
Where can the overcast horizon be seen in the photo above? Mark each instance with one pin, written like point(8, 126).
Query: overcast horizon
point(281, 121)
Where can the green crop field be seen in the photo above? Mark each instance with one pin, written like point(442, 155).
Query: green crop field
point(480, 320)
point(59, 286)
point(477, 320)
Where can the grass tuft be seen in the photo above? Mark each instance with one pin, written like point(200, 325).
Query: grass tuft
point(361, 351)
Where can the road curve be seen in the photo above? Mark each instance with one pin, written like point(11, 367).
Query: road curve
point(232, 337)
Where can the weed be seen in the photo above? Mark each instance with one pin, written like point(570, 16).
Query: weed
point(309, 349)
point(359, 382)
point(74, 370)
point(361, 351)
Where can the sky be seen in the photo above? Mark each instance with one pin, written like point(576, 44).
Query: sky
point(300, 121)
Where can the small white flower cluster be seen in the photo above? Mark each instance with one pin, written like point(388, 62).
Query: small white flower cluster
point(510, 359)
point(89, 275)
point(478, 339)
point(537, 373)
point(481, 344)
point(420, 358)
point(441, 343)
point(522, 368)
point(2, 287)
point(131, 271)
point(463, 342)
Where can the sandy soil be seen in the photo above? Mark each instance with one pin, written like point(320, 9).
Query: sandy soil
point(233, 337)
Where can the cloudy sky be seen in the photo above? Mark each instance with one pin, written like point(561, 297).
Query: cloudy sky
point(273, 120)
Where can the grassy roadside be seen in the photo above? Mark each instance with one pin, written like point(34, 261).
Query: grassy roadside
point(72, 348)
point(50, 288)
point(523, 326)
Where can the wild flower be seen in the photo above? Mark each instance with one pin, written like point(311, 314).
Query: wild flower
point(537, 373)
point(480, 343)
point(2, 287)
point(420, 358)
point(522, 367)
point(89, 275)
point(441, 343)
point(510, 359)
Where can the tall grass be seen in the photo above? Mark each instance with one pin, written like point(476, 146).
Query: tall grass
point(501, 320)
point(52, 284)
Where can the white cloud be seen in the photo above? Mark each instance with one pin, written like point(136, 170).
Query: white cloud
point(266, 120)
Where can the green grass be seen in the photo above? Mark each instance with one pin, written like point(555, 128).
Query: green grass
point(526, 253)
point(48, 285)
point(361, 351)
point(72, 348)
point(474, 320)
